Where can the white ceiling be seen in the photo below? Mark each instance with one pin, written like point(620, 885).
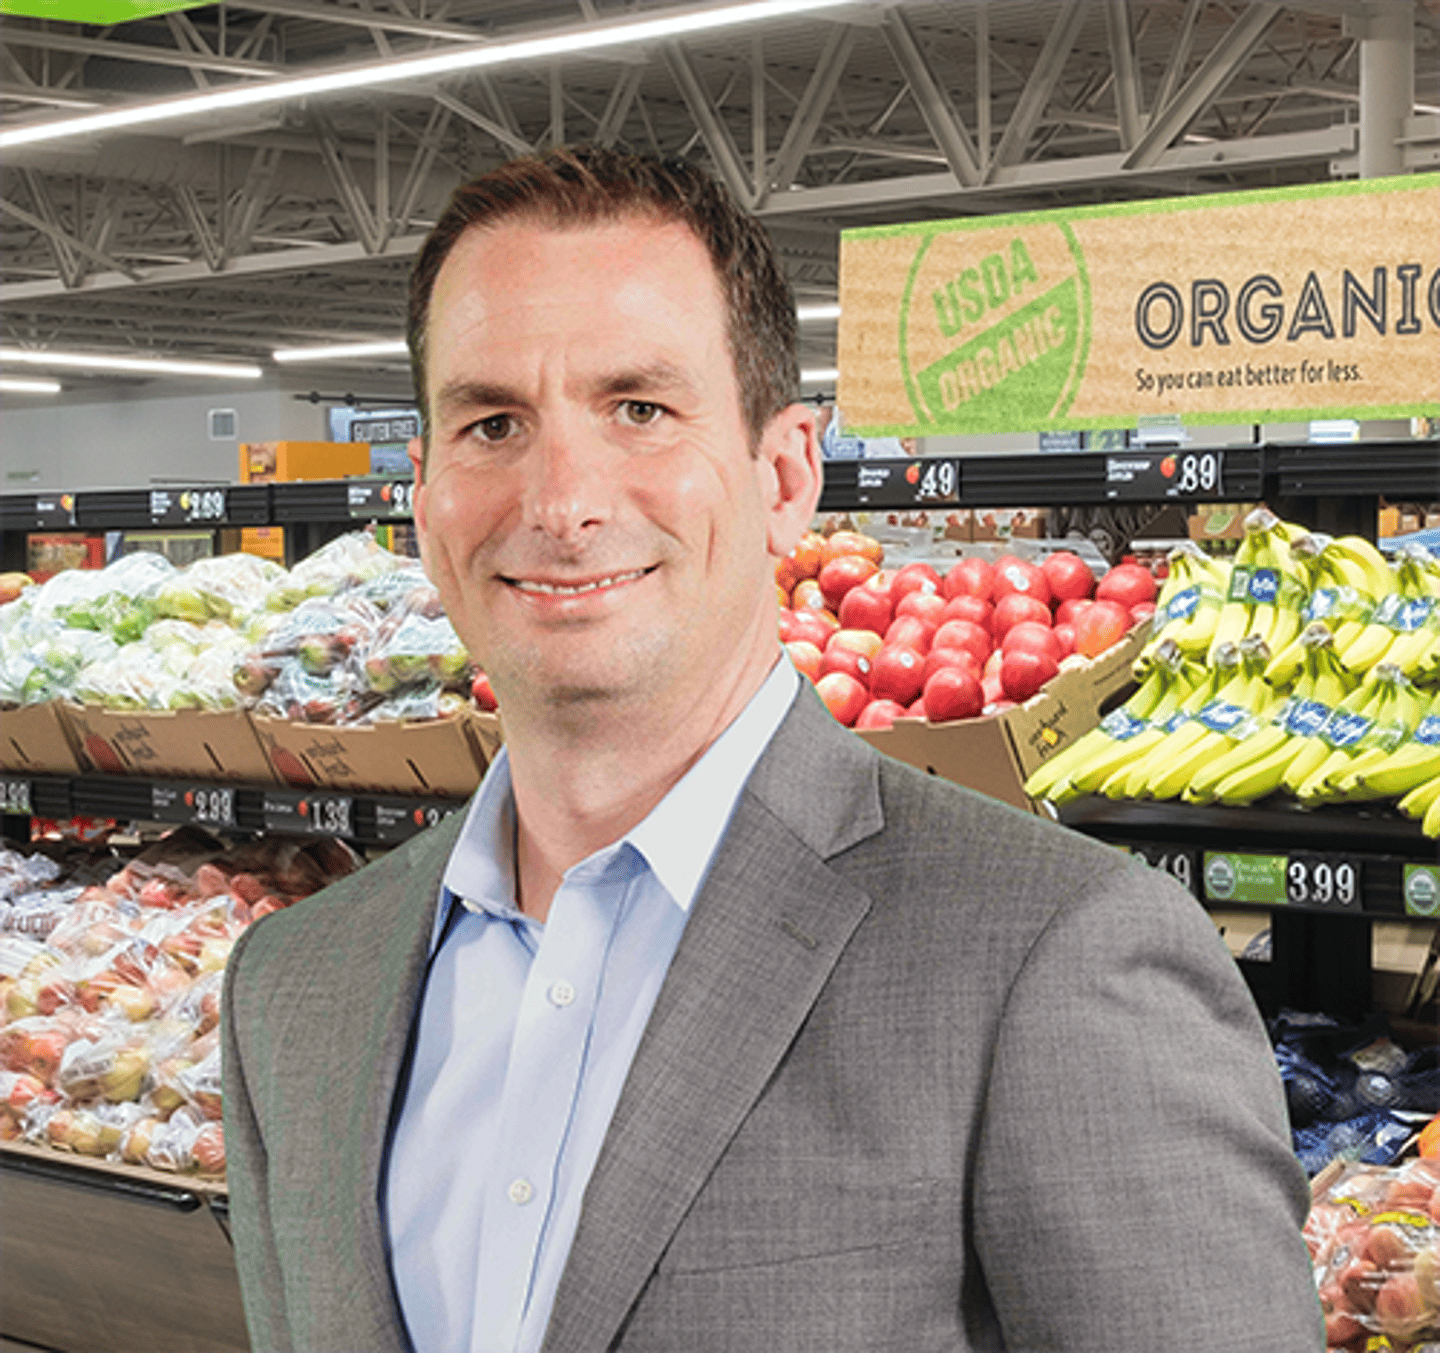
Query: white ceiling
point(289, 225)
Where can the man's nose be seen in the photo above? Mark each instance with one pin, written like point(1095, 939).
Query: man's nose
point(571, 480)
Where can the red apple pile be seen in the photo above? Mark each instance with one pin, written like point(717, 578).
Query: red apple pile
point(882, 644)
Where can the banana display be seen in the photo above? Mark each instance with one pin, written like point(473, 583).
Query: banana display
point(1309, 666)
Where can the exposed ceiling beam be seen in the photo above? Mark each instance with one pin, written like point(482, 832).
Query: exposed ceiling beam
point(1042, 175)
point(1179, 161)
point(1044, 76)
point(813, 103)
point(513, 142)
point(279, 260)
point(51, 41)
point(718, 140)
point(1127, 78)
point(1217, 70)
point(944, 122)
point(386, 20)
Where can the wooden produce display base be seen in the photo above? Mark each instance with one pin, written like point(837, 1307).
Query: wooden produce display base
point(111, 1258)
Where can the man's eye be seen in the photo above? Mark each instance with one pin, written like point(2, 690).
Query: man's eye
point(640, 412)
point(495, 428)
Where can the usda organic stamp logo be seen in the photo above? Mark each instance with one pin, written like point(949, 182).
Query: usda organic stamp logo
point(1219, 877)
point(994, 326)
point(1422, 890)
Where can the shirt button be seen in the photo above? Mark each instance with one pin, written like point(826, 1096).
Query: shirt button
point(561, 994)
point(521, 1191)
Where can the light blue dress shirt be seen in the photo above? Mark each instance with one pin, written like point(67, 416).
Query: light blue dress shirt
point(526, 1035)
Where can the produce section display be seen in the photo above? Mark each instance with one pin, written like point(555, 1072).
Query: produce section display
point(883, 644)
point(1310, 667)
point(351, 634)
point(1374, 1237)
point(109, 992)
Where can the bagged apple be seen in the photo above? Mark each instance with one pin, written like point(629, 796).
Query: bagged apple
point(111, 1066)
point(171, 1143)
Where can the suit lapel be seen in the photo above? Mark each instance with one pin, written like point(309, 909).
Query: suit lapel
point(391, 1009)
point(765, 931)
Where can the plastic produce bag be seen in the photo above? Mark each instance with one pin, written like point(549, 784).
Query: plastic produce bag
point(1374, 1237)
point(118, 600)
point(227, 587)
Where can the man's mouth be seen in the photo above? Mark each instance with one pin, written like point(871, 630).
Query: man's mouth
point(541, 587)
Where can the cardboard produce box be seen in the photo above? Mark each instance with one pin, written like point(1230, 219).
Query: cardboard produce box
point(173, 743)
point(998, 753)
point(35, 740)
point(1008, 523)
point(442, 758)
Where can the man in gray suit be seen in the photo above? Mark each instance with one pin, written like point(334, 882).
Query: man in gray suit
point(707, 1028)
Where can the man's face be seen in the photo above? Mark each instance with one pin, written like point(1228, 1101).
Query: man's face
point(590, 509)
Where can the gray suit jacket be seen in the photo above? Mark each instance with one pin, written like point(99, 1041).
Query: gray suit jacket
point(926, 1074)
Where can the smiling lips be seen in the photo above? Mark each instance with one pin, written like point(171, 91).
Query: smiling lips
point(547, 589)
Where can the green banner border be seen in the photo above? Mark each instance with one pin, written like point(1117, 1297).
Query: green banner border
point(1157, 206)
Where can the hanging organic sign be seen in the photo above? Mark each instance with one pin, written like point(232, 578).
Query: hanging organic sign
point(1284, 305)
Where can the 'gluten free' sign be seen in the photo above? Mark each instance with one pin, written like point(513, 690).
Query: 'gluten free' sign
point(1315, 302)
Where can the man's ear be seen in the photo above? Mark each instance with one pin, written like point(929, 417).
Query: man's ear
point(415, 449)
point(791, 476)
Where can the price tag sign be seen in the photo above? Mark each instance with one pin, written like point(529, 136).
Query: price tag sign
point(914, 483)
point(399, 819)
point(1421, 886)
point(1177, 861)
point(1331, 882)
point(375, 498)
point(54, 511)
point(188, 507)
point(15, 797)
point(1148, 475)
point(206, 805)
point(1245, 878)
point(313, 814)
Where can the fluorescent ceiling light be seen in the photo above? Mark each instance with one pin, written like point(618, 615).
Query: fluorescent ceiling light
point(148, 366)
point(387, 347)
point(582, 39)
point(14, 386)
point(809, 313)
point(819, 374)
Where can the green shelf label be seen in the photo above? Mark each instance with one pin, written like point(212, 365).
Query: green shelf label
point(1422, 890)
point(1245, 878)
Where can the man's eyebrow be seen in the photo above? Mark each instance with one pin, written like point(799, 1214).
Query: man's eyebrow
point(649, 378)
point(458, 395)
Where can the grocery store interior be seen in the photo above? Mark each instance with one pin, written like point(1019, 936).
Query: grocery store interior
point(1195, 618)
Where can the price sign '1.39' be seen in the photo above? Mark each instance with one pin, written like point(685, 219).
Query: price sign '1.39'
point(1151, 475)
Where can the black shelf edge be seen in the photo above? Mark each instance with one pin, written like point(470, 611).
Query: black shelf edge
point(1394, 469)
point(1274, 824)
point(1402, 470)
point(375, 818)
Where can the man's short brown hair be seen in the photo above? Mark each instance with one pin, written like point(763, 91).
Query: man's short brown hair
point(580, 185)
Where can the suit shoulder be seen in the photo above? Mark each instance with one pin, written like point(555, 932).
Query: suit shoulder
point(327, 925)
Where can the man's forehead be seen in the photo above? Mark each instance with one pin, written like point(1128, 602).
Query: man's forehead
point(494, 253)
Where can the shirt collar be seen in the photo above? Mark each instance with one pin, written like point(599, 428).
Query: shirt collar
point(676, 839)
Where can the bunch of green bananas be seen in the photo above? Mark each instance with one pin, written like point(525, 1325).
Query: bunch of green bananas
point(1187, 607)
point(1137, 724)
point(1267, 587)
point(1254, 766)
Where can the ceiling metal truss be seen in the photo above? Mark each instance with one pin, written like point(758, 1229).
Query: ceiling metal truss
point(294, 224)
